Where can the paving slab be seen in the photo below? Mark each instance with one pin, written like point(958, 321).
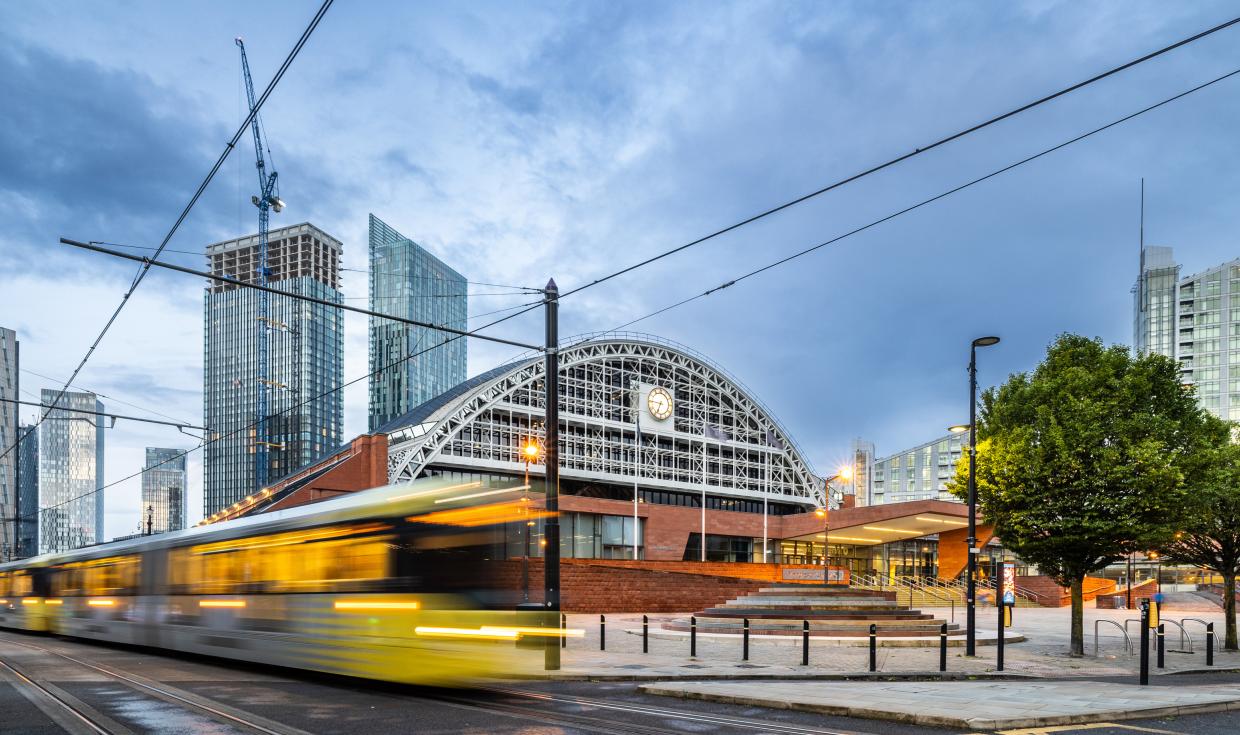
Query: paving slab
point(976, 705)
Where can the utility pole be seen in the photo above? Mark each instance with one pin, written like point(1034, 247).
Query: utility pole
point(551, 527)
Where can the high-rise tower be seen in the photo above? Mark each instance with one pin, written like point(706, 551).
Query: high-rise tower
point(407, 281)
point(305, 361)
point(70, 472)
point(163, 490)
point(28, 492)
point(1196, 320)
point(8, 435)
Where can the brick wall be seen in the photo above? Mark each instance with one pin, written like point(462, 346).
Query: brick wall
point(593, 588)
point(1050, 594)
point(954, 549)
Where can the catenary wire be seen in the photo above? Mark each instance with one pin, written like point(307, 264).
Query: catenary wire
point(935, 198)
point(295, 406)
point(682, 302)
point(906, 156)
point(523, 289)
point(737, 225)
point(141, 274)
point(114, 399)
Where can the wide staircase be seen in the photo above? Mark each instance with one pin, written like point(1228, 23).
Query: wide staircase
point(830, 611)
point(930, 592)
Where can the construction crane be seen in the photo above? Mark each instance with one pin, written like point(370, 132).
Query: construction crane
point(267, 200)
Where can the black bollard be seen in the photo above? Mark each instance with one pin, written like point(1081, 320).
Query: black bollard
point(943, 647)
point(805, 643)
point(602, 632)
point(745, 644)
point(1145, 642)
point(692, 636)
point(1162, 643)
point(563, 630)
point(1209, 644)
point(645, 634)
point(873, 647)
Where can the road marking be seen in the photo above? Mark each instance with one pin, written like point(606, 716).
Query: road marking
point(1090, 726)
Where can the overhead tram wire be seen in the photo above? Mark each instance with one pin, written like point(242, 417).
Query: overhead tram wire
point(148, 262)
point(899, 159)
point(114, 416)
point(935, 198)
point(100, 394)
point(516, 289)
point(247, 427)
point(301, 42)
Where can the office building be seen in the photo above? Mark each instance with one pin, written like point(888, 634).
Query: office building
point(305, 408)
point(28, 492)
point(409, 282)
point(8, 436)
point(70, 472)
point(164, 484)
point(919, 473)
point(1193, 320)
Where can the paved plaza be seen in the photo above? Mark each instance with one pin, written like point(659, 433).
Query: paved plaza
point(1043, 653)
point(1041, 685)
point(977, 705)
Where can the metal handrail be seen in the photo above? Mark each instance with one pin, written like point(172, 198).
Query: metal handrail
point(1123, 629)
point(950, 599)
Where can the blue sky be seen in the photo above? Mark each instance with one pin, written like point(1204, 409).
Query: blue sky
point(526, 141)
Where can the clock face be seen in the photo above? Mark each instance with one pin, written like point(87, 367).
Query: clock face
point(659, 401)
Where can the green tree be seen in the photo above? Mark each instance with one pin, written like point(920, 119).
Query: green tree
point(1086, 459)
point(1210, 534)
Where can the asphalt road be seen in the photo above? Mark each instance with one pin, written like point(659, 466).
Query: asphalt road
point(51, 685)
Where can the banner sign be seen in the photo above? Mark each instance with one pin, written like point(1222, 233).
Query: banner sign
point(1009, 583)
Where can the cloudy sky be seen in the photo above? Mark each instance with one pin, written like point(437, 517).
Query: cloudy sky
point(522, 141)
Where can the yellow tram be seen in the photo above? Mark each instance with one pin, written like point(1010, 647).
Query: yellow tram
point(401, 583)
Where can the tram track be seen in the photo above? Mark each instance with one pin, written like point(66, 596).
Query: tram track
point(172, 695)
point(705, 718)
point(593, 715)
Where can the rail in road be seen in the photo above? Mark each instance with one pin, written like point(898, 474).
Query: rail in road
point(85, 716)
point(71, 661)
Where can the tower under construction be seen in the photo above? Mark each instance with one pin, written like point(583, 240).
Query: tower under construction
point(305, 408)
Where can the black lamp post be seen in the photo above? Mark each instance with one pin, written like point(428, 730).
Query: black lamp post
point(971, 589)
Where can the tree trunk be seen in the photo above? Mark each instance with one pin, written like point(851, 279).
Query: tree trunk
point(1078, 617)
point(1229, 611)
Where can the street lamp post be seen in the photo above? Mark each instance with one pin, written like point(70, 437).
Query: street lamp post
point(529, 453)
point(825, 514)
point(971, 589)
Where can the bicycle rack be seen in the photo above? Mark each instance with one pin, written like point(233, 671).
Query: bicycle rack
point(1183, 637)
point(1123, 632)
point(1204, 624)
point(1153, 639)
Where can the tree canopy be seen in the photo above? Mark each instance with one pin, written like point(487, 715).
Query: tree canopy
point(1088, 458)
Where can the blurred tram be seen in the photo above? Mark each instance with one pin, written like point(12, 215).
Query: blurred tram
point(402, 583)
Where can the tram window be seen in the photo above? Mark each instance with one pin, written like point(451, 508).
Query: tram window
point(297, 561)
point(111, 576)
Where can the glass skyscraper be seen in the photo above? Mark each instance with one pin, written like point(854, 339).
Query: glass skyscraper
point(8, 435)
point(407, 281)
point(1193, 320)
point(28, 492)
point(305, 360)
point(164, 481)
point(70, 472)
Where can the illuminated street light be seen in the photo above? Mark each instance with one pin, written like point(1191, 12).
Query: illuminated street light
point(971, 589)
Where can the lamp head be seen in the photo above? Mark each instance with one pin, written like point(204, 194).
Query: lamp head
point(985, 341)
point(820, 512)
point(846, 472)
point(959, 428)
